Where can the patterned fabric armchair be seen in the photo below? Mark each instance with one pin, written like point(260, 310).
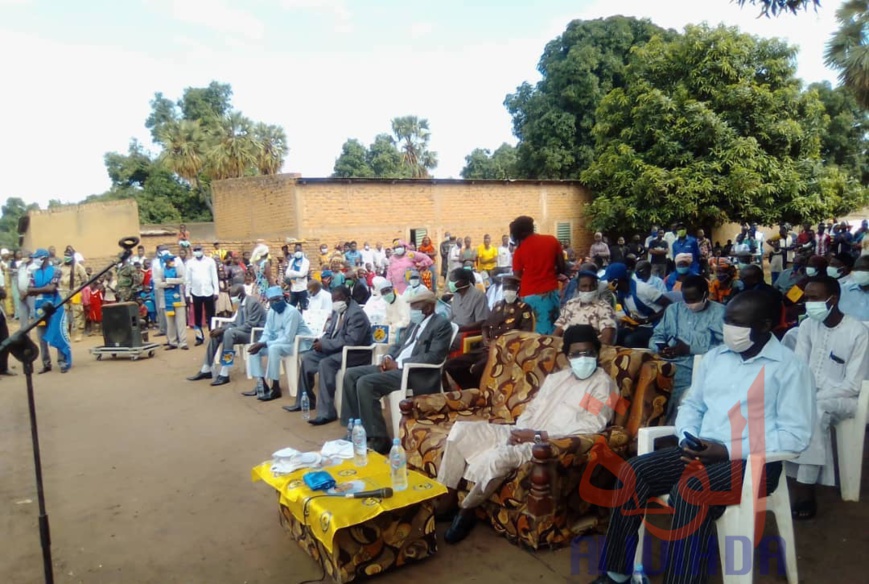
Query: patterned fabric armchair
point(540, 504)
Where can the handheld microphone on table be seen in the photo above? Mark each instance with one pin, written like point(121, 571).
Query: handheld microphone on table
point(383, 493)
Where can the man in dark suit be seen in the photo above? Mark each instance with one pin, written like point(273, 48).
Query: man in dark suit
point(250, 314)
point(427, 341)
point(348, 327)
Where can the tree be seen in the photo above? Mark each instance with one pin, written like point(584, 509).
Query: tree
point(845, 141)
point(271, 147)
point(709, 127)
point(554, 119)
point(382, 159)
point(498, 165)
point(776, 7)
point(10, 213)
point(353, 161)
point(412, 135)
point(234, 149)
point(848, 49)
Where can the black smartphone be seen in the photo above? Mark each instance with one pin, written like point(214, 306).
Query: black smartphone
point(693, 442)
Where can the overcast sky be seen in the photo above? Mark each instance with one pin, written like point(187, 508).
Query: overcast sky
point(78, 76)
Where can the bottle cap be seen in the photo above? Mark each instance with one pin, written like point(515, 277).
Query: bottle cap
point(396, 442)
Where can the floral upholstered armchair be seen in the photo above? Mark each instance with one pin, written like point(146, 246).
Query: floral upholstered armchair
point(540, 504)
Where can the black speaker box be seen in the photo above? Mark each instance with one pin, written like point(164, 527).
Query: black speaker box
point(121, 325)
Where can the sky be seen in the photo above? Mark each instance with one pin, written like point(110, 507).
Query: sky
point(78, 76)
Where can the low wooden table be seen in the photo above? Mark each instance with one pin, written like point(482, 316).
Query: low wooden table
point(358, 537)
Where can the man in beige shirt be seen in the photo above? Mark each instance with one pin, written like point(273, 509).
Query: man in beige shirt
point(587, 307)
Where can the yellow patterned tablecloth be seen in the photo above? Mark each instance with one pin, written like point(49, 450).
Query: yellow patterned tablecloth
point(326, 515)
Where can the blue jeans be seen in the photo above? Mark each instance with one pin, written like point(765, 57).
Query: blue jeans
point(546, 309)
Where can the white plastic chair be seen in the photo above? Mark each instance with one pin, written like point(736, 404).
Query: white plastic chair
point(339, 382)
point(316, 321)
point(240, 349)
point(393, 400)
point(850, 440)
point(738, 520)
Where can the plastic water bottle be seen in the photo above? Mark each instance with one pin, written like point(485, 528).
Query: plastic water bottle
point(639, 576)
point(398, 466)
point(306, 406)
point(349, 436)
point(360, 444)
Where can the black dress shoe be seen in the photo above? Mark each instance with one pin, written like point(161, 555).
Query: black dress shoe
point(270, 395)
point(45, 369)
point(220, 380)
point(293, 408)
point(250, 393)
point(198, 342)
point(319, 421)
point(171, 348)
point(199, 376)
point(460, 528)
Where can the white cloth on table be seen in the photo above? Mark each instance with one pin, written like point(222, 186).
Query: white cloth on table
point(337, 449)
point(289, 460)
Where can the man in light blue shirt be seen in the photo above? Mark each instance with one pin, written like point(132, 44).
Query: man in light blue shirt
point(855, 294)
point(751, 395)
point(688, 328)
point(283, 323)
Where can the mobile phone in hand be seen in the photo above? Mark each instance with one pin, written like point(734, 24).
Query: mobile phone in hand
point(693, 442)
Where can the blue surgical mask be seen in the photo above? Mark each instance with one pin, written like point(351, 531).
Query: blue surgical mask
point(811, 272)
point(236, 300)
point(389, 297)
point(818, 310)
point(583, 367)
point(278, 306)
point(416, 315)
point(683, 269)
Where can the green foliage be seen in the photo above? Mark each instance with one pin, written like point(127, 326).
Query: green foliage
point(554, 119)
point(498, 165)
point(848, 49)
point(384, 158)
point(845, 141)
point(709, 127)
point(10, 213)
point(776, 7)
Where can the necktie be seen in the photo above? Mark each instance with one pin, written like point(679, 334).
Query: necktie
point(338, 325)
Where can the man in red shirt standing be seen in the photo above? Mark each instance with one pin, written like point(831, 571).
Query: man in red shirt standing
point(537, 262)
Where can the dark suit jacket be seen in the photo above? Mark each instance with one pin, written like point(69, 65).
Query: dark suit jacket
point(431, 347)
point(251, 314)
point(354, 331)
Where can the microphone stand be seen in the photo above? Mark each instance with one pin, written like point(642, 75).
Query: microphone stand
point(22, 347)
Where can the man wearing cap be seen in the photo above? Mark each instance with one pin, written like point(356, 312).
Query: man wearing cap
point(43, 287)
point(427, 341)
point(202, 288)
point(72, 277)
point(283, 323)
point(348, 327)
point(642, 304)
point(509, 314)
point(170, 286)
point(414, 286)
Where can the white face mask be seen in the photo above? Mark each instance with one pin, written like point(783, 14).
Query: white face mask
point(587, 297)
point(398, 251)
point(324, 250)
point(389, 297)
point(339, 306)
point(696, 306)
point(834, 272)
point(367, 247)
point(298, 255)
point(197, 254)
point(817, 310)
point(414, 282)
point(583, 367)
point(811, 272)
point(416, 315)
point(510, 296)
point(737, 338)
point(236, 300)
point(861, 278)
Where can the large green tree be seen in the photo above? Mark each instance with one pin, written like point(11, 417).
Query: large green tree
point(848, 49)
point(846, 139)
point(553, 119)
point(413, 134)
point(497, 165)
point(404, 154)
point(712, 126)
point(11, 212)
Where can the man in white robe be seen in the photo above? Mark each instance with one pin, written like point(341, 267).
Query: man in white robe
point(835, 347)
point(575, 401)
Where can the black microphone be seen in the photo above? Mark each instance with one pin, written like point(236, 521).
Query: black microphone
point(128, 242)
point(383, 493)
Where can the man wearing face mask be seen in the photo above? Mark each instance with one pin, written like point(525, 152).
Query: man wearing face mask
point(508, 314)
point(688, 328)
point(684, 269)
point(43, 288)
point(202, 288)
point(349, 326)
point(789, 277)
point(641, 303)
point(367, 254)
point(414, 286)
point(169, 284)
point(249, 314)
point(427, 341)
point(840, 268)
point(387, 308)
point(283, 323)
point(835, 347)
point(325, 256)
point(643, 273)
point(469, 306)
point(576, 400)
point(298, 270)
point(855, 294)
point(588, 308)
point(751, 395)
point(722, 288)
point(318, 299)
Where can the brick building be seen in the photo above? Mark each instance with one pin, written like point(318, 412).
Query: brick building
point(330, 210)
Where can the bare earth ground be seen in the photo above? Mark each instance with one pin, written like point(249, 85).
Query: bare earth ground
point(148, 481)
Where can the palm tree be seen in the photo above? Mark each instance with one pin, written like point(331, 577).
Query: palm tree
point(848, 49)
point(413, 135)
point(271, 147)
point(233, 152)
point(183, 151)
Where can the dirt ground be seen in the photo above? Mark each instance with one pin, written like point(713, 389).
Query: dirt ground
point(148, 481)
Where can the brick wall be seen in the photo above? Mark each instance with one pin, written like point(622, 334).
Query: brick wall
point(333, 210)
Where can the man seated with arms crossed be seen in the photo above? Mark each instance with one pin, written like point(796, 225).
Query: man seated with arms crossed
point(835, 347)
point(469, 306)
point(642, 304)
point(587, 307)
point(250, 314)
point(427, 341)
point(688, 328)
point(509, 314)
point(283, 323)
point(574, 401)
point(751, 374)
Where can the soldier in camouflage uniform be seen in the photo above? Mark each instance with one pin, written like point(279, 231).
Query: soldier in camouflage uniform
point(72, 276)
point(129, 282)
